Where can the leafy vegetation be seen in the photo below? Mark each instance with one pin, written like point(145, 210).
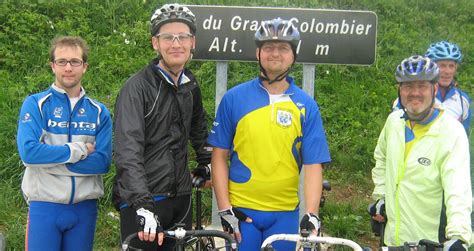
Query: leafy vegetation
point(354, 100)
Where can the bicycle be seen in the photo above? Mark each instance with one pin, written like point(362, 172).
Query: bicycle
point(308, 241)
point(182, 242)
point(422, 245)
point(197, 239)
point(204, 243)
point(378, 228)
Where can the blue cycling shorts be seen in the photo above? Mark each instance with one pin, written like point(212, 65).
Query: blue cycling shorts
point(265, 224)
point(54, 226)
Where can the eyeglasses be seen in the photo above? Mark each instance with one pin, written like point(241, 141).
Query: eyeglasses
point(75, 62)
point(409, 87)
point(283, 49)
point(169, 38)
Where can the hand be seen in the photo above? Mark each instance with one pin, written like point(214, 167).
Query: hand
point(377, 210)
point(148, 225)
point(201, 174)
point(310, 222)
point(90, 147)
point(230, 221)
point(454, 245)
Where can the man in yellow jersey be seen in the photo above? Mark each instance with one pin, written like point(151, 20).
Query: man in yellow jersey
point(271, 130)
point(422, 175)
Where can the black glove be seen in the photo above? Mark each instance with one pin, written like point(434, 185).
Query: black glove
point(377, 208)
point(201, 174)
point(230, 219)
point(148, 221)
point(454, 245)
point(310, 222)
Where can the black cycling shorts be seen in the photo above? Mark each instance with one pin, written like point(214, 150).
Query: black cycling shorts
point(170, 211)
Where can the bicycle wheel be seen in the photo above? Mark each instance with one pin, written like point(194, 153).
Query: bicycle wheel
point(200, 244)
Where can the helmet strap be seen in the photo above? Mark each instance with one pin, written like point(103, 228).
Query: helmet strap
point(423, 115)
point(264, 76)
point(166, 66)
point(168, 69)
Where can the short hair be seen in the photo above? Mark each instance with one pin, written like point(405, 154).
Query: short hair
point(69, 41)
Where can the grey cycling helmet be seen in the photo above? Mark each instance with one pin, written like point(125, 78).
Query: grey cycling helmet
point(444, 51)
point(172, 13)
point(416, 68)
point(277, 30)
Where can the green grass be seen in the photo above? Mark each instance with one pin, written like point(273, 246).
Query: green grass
point(354, 100)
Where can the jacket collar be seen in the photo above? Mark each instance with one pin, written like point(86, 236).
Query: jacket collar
point(62, 93)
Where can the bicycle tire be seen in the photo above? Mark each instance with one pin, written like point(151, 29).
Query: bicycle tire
point(200, 235)
point(201, 244)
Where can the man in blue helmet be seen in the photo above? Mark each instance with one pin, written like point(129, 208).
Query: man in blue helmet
point(422, 176)
point(455, 102)
point(271, 130)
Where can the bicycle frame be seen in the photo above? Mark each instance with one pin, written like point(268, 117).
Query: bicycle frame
point(310, 239)
point(422, 245)
point(180, 233)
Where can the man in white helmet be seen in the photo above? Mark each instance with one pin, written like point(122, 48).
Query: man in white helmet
point(422, 175)
point(158, 111)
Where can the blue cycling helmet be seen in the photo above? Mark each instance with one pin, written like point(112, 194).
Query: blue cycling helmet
point(444, 51)
point(416, 68)
point(172, 13)
point(277, 30)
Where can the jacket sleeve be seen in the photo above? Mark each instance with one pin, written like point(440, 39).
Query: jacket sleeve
point(198, 134)
point(129, 143)
point(467, 112)
point(378, 172)
point(455, 175)
point(35, 153)
point(98, 162)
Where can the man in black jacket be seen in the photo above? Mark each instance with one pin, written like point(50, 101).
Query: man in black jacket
point(158, 110)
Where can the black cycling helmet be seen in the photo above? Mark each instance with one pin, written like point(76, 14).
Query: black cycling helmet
point(416, 68)
point(172, 13)
point(277, 30)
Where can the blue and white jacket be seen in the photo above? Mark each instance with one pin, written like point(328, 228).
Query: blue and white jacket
point(51, 141)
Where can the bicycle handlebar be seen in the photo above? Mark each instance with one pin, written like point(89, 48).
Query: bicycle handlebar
point(311, 238)
point(180, 233)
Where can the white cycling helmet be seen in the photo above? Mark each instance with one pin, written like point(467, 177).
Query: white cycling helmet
point(172, 13)
point(277, 30)
point(417, 68)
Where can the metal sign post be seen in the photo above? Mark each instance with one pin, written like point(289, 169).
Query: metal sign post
point(221, 88)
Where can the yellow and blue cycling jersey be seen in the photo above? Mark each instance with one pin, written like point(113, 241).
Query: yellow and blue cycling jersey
point(413, 134)
point(269, 141)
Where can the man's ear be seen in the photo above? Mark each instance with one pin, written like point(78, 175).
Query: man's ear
point(85, 65)
point(155, 43)
point(257, 53)
point(52, 66)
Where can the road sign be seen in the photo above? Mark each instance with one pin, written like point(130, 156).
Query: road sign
point(226, 33)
